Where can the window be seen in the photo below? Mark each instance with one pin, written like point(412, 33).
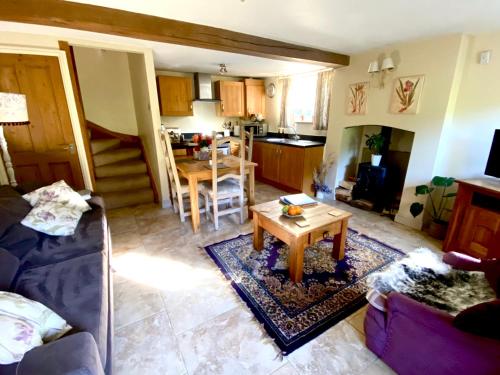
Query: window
point(302, 97)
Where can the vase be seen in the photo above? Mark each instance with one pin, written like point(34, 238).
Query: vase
point(376, 160)
point(437, 229)
point(320, 195)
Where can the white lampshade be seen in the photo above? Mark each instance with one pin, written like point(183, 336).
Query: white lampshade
point(387, 64)
point(373, 67)
point(13, 109)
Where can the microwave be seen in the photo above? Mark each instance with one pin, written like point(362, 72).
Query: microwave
point(259, 129)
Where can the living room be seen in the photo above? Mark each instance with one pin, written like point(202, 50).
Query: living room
point(180, 280)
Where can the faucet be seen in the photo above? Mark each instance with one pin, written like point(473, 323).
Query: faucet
point(295, 136)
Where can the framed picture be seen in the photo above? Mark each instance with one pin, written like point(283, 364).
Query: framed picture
point(356, 98)
point(406, 94)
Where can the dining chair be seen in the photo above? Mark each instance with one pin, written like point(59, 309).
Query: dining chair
point(179, 187)
point(235, 145)
point(224, 187)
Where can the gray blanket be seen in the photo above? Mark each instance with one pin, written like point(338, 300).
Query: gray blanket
point(423, 276)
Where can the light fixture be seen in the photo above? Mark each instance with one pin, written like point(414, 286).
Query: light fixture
point(13, 112)
point(387, 66)
point(222, 69)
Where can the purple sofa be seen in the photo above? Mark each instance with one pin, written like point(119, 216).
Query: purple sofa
point(71, 275)
point(413, 338)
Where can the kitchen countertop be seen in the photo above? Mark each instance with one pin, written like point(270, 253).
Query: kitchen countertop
point(301, 143)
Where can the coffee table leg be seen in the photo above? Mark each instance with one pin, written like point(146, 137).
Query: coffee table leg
point(339, 242)
point(258, 233)
point(296, 259)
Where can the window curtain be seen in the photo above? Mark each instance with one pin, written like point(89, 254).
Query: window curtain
point(285, 84)
point(322, 105)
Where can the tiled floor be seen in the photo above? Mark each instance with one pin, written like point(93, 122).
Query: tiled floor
point(176, 314)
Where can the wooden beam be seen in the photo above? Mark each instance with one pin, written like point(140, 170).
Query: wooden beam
point(134, 25)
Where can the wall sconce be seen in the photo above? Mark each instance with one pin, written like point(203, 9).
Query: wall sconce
point(387, 66)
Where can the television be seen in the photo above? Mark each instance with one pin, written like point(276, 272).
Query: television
point(493, 164)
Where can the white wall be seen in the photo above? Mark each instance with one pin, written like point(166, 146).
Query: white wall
point(104, 78)
point(204, 119)
point(466, 141)
point(437, 60)
point(273, 113)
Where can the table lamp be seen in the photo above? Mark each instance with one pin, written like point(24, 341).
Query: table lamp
point(13, 112)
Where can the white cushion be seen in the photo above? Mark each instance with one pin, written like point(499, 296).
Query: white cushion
point(57, 192)
point(53, 218)
point(224, 187)
point(24, 324)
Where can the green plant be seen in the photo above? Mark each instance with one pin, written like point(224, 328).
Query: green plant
point(436, 212)
point(375, 142)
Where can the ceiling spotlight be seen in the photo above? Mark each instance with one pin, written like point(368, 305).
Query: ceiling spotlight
point(222, 69)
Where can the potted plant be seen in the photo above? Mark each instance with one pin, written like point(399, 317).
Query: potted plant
point(437, 227)
point(319, 177)
point(375, 142)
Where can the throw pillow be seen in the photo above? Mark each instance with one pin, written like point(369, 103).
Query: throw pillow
point(9, 265)
point(57, 192)
point(24, 324)
point(53, 218)
point(482, 319)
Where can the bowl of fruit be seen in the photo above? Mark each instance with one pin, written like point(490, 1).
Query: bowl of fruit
point(292, 211)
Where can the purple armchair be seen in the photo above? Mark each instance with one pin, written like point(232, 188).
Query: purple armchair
point(413, 338)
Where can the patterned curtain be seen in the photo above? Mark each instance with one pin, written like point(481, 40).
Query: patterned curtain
point(284, 111)
point(322, 105)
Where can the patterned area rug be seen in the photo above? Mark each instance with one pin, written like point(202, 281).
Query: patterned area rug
point(331, 290)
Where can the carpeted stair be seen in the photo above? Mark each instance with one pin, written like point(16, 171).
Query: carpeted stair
point(121, 174)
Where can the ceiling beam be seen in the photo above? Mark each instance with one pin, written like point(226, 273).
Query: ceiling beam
point(134, 25)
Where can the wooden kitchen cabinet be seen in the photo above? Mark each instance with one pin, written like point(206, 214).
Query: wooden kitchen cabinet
point(232, 98)
point(286, 167)
point(176, 95)
point(255, 97)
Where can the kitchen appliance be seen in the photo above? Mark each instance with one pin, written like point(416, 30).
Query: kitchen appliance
point(175, 134)
point(236, 130)
point(259, 129)
point(203, 88)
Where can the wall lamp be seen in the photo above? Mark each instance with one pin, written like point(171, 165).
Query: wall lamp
point(374, 69)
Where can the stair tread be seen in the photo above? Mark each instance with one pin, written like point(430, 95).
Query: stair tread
point(128, 197)
point(125, 167)
point(122, 183)
point(121, 150)
point(101, 145)
point(116, 155)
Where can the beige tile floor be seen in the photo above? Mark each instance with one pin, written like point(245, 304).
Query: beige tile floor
point(176, 314)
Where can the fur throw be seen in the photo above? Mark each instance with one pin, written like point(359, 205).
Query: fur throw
point(424, 277)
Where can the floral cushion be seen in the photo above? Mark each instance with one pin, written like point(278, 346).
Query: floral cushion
point(53, 218)
point(57, 192)
point(26, 324)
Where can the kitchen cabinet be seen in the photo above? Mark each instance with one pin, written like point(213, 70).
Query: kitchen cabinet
point(287, 167)
point(232, 98)
point(176, 95)
point(255, 97)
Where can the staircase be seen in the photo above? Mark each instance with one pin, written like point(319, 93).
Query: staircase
point(122, 175)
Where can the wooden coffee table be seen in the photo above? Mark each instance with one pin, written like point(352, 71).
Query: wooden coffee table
point(267, 216)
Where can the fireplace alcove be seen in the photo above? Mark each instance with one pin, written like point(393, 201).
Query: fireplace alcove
point(377, 188)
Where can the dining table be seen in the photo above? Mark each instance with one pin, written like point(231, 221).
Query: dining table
point(195, 171)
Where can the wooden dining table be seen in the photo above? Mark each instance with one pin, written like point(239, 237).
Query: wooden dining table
point(195, 171)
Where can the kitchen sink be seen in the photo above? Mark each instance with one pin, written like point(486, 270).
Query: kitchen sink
point(277, 140)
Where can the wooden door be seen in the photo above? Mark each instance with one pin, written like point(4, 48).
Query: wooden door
point(480, 233)
point(44, 151)
point(231, 95)
point(291, 171)
point(176, 96)
point(270, 162)
point(255, 97)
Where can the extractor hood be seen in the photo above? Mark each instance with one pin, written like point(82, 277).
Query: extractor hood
point(203, 88)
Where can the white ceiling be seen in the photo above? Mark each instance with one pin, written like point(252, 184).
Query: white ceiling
point(336, 25)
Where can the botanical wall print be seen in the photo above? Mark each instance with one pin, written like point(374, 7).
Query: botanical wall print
point(406, 94)
point(356, 98)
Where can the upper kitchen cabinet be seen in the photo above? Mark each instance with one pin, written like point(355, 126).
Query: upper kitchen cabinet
point(232, 98)
point(176, 95)
point(255, 97)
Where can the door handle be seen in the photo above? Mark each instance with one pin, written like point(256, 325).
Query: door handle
point(70, 147)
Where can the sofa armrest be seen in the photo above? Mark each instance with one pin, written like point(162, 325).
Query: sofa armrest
point(71, 355)
point(462, 261)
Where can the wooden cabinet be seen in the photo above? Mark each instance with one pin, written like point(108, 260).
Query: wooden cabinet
point(286, 167)
point(176, 95)
point(474, 226)
point(232, 98)
point(255, 97)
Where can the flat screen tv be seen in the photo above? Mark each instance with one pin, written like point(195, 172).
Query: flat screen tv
point(493, 164)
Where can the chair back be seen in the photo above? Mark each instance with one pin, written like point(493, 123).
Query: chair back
point(249, 146)
point(215, 175)
point(172, 174)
